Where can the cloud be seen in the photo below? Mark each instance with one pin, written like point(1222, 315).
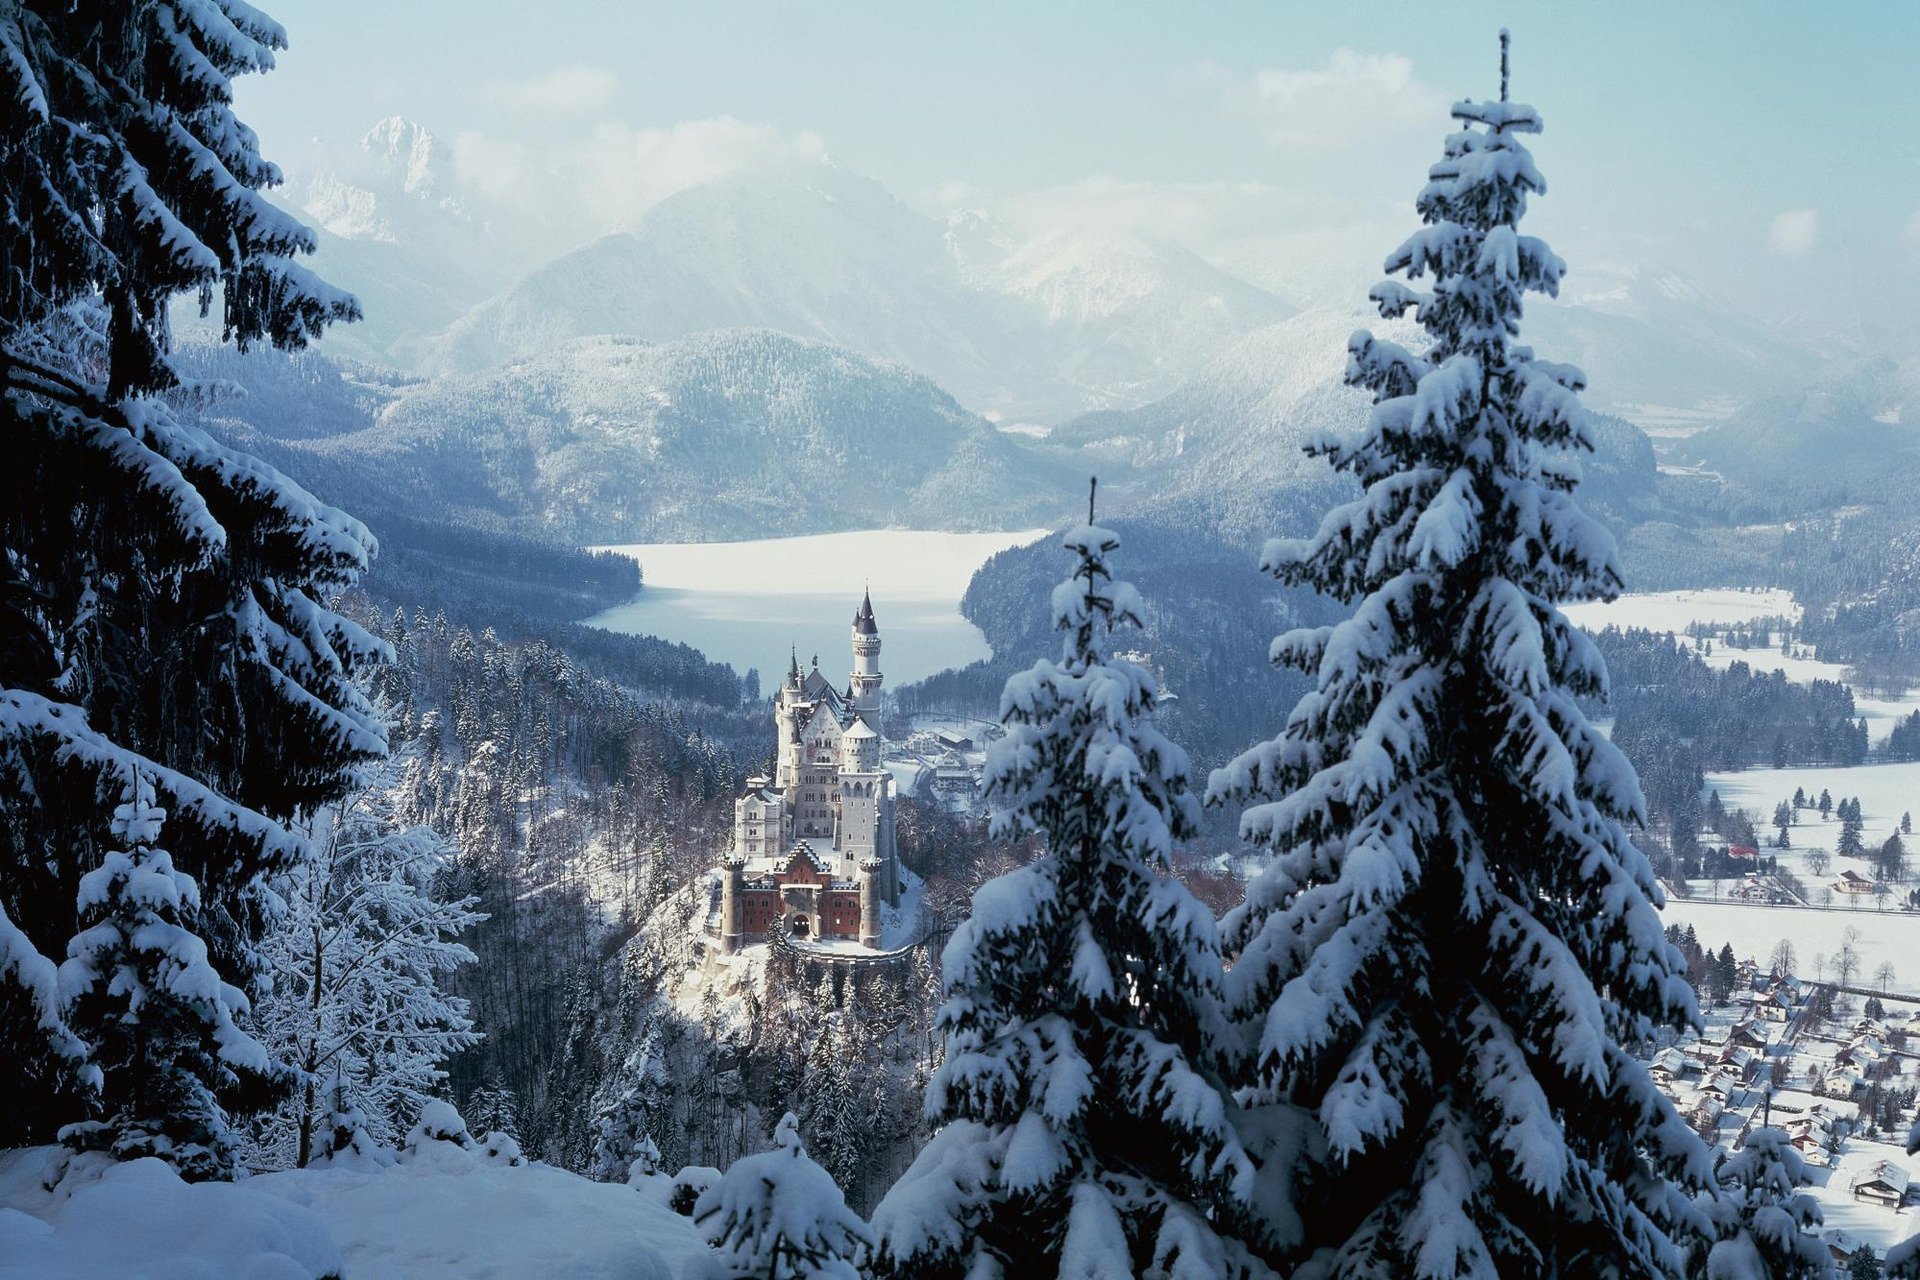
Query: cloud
point(566, 181)
point(1355, 98)
point(1793, 232)
point(563, 91)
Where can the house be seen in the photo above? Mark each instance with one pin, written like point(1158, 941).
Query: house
point(1862, 1053)
point(1814, 1145)
point(1720, 1087)
point(1882, 1182)
point(1745, 851)
point(952, 741)
point(1751, 1033)
point(1670, 1065)
point(1851, 882)
point(1843, 1083)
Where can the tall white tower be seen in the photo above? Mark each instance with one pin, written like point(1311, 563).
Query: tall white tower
point(866, 662)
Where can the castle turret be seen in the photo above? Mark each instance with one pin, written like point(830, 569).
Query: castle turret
point(871, 870)
point(865, 685)
point(732, 875)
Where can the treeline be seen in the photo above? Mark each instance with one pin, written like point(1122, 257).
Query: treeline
point(1209, 616)
point(1678, 719)
point(573, 806)
point(528, 590)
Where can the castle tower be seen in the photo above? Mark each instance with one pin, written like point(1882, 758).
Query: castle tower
point(732, 874)
point(866, 661)
point(868, 878)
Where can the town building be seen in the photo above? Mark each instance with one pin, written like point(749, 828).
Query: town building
point(1883, 1182)
point(814, 845)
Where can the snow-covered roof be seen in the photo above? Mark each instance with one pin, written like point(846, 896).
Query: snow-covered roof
point(860, 729)
point(1889, 1173)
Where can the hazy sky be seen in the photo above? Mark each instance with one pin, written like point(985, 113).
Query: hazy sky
point(1772, 150)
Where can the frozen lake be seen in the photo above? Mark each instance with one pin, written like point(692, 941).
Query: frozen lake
point(745, 603)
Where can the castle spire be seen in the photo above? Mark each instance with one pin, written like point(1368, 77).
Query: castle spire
point(863, 622)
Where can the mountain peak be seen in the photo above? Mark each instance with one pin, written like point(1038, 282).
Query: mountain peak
point(406, 150)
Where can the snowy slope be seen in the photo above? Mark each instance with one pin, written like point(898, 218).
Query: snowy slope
point(1129, 316)
point(1024, 329)
point(807, 249)
point(1227, 446)
point(729, 434)
point(450, 1216)
point(393, 230)
point(1652, 340)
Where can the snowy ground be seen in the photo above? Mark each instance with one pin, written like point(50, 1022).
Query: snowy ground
point(745, 603)
point(1858, 1221)
point(1755, 930)
point(1677, 610)
point(448, 1216)
point(1885, 791)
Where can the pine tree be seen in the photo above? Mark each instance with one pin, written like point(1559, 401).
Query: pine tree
point(138, 986)
point(778, 1216)
point(1456, 933)
point(342, 1134)
point(357, 967)
point(1769, 1230)
point(630, 1102)
point(1080, 1125)
point(161, 596)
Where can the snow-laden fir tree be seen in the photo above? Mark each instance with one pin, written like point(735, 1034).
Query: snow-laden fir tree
point(629, 1103)
point(357, 964)
point(341, 1137)
point(137, 985)
point(1455, 934)
point(779, 1216)
point(1081, 1132)
point(1769, 1229)
point(161, 596)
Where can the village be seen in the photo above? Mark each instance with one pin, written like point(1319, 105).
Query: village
point(1834, 1067)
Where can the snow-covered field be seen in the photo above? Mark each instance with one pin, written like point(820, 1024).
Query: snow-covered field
point(1755, 930)
point(1885, 792)
point(745, 603)
point(1677, 610)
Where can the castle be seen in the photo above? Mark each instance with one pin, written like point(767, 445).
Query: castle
point(815, 844)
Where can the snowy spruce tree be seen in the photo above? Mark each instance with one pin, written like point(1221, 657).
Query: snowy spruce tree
point(162, 597)
point(357, 964)
point(779, 1216)
point(1455, 933)
point(137, 985)
point(1081, 1134)
point(1769, 1229)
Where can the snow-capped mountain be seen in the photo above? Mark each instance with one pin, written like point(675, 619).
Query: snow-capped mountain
point(1653, 341)
point(1226, 448)
point(1018, 328)
point(394, 229)
point(1130, 317)
point(733, 433)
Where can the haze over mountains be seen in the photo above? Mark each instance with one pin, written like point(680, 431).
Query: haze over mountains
point(790, 348)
